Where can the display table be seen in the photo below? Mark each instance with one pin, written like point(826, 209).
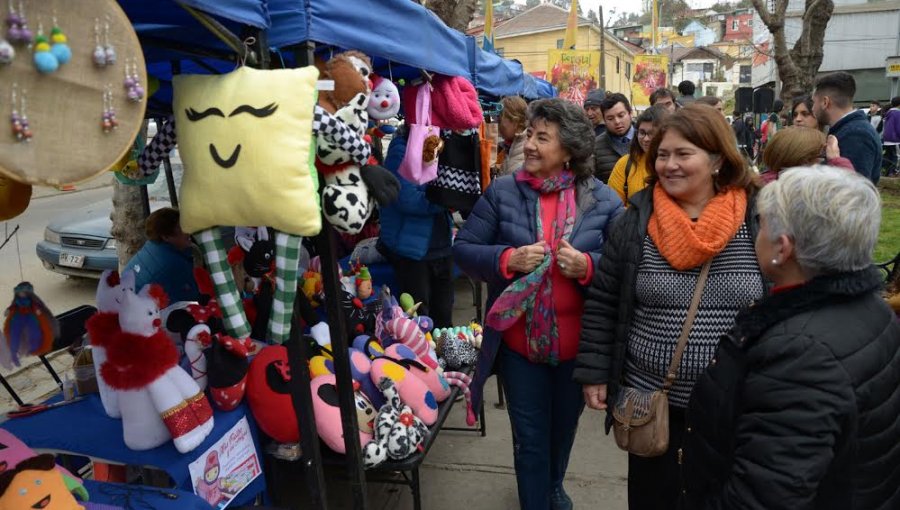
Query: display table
point(83, 428)
point(141, 497)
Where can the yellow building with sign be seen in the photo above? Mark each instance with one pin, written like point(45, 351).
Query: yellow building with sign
point(529, 36)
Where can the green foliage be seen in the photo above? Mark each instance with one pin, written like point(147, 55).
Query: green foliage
point(889, 238)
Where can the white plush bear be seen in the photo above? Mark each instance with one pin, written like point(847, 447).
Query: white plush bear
point(158, 400)
point(103, 328)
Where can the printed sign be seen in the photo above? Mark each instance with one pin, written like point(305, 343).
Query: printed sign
point(227, 467)
point(650, 72)
point(892, 67)
point(573, 73)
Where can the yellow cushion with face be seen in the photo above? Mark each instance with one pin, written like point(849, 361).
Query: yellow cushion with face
point(246, 142)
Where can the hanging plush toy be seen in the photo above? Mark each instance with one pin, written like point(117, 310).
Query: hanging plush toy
point(383, 105)
point(398, 432)
point(351, 190)
point(158, 399)
point(249, 134)
point(30, 328)
point(103, 328)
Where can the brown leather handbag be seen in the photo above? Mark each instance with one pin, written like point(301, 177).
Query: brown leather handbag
point(641, 418)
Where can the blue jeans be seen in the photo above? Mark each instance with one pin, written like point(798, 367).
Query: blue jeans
point(544, 405)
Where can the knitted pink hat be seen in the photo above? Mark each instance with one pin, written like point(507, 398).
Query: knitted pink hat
point(454, 103)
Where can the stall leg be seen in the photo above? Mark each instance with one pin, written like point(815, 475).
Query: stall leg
point(483, 419)
point(415, 488)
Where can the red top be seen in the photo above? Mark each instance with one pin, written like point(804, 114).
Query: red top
point(568, 301)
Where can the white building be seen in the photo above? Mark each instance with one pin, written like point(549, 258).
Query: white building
point(859, 37)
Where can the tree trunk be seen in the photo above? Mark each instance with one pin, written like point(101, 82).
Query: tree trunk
point(797, 66)
point(127, 220)
point(454, 13)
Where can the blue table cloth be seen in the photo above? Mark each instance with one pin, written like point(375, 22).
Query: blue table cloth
point(83, 428)
point(139, 497)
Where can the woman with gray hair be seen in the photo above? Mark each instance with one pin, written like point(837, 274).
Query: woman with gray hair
point(535, 237)
point(799, 408)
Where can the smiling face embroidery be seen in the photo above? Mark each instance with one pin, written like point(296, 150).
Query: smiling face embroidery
point(245, 139)
point(195, 116)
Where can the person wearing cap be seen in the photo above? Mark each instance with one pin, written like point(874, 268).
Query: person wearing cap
point(593, 110)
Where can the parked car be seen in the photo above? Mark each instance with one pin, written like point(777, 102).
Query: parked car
point(79, 243)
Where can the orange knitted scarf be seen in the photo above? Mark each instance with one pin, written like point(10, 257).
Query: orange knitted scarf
point(686, 244)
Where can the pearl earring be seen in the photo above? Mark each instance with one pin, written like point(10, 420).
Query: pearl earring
point(774, 262)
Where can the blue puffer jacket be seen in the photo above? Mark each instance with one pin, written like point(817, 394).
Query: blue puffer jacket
point(406, 224)
point(860, 143)
point(504, 218)
point(162, 264)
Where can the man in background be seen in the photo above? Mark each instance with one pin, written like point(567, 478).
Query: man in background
point(592, 109)
point(616, 141)
point(665, 98)
point(857, 139)
point(686, 89)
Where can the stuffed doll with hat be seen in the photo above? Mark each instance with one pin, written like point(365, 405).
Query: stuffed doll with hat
point(13, 452)
point(398, 432)
point(384, 104)
point(350, 191)
point(29, 327)
point(157, 398)
point(36, 483)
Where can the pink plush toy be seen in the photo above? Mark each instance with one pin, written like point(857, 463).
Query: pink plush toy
point(328, 413)
point(412, 390)
point(157, 398)
point(407, 332)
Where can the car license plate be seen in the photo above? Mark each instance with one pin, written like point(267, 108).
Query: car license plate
point(69, 260)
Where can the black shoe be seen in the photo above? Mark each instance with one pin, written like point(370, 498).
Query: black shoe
point(559, 500)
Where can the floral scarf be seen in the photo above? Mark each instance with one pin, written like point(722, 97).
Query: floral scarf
point(532, 294)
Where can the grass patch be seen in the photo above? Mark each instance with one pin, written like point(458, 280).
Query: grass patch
point(889, 237)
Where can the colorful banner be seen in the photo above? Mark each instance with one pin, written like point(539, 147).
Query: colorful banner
point(650, 72)
point(573, 73)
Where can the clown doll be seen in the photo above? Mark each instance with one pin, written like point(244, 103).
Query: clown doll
point(363, 284)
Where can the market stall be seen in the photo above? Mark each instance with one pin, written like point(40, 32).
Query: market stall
point(203, 55)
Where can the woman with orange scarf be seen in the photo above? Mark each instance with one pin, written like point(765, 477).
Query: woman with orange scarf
point(697, 209)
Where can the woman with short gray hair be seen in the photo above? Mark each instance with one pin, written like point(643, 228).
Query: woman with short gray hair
point(800, 405)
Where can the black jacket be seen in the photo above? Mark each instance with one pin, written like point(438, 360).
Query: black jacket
point(606, 154)
point(860, 143)
point(800, 408)
point(610, 301)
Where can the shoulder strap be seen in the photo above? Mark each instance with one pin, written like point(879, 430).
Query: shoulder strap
point(686, 330)
point(625, 186)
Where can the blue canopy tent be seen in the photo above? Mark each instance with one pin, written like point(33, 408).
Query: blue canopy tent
point(406, 38)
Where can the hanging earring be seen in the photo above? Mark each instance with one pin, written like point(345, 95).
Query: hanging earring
point(60, 48)
point(133, 81)
point(44, 61)
point(108, 48)
point(108, 121)
point(99, 53)
point(19, 118)
point(17, 25)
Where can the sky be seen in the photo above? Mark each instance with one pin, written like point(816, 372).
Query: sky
point(636, 6)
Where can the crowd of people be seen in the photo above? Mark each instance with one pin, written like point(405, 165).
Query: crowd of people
point(657, 261)
point(636, 257)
